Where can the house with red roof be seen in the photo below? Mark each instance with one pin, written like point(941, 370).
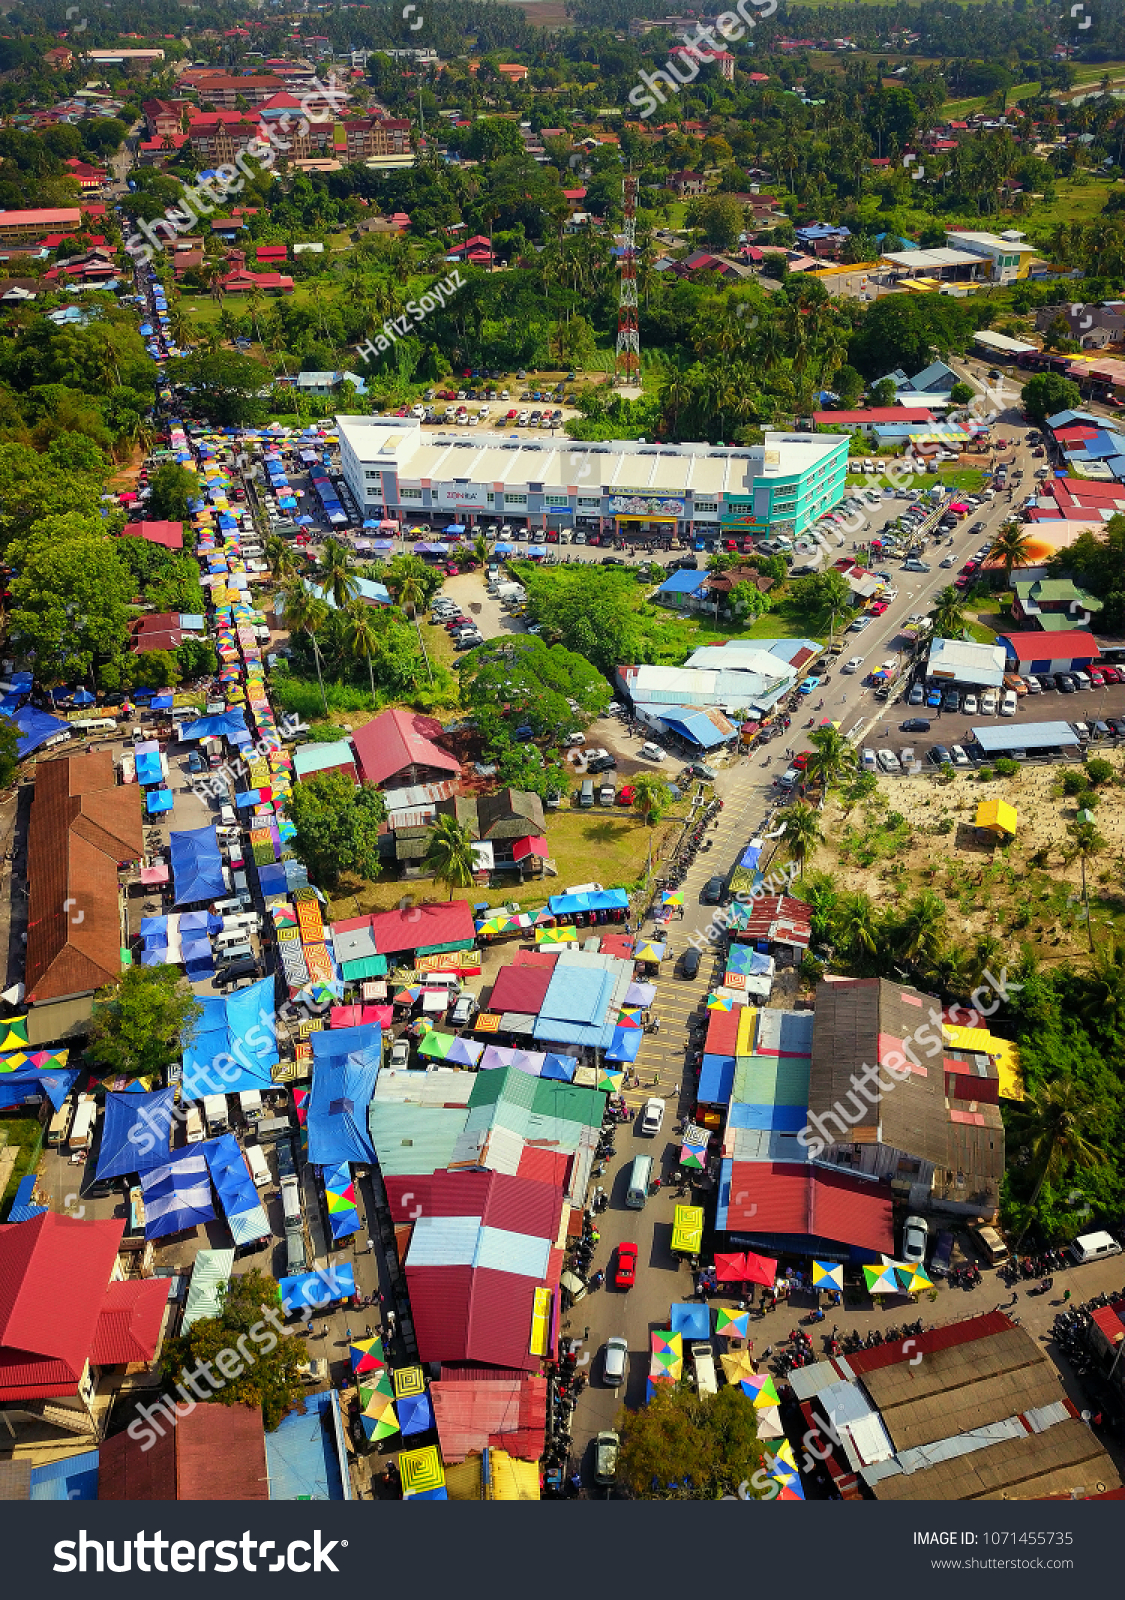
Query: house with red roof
point(72, 1327)
point(243, 282)
point(272, 252)
point(213, 1452)
point(89, 178)
point(396, 750)
point(168, 534)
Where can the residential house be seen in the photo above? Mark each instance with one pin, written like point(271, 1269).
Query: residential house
point(1056, 605)
point(1093, 326)
point(83, 825)
point(60, 59)
point(89, 178)
point(170, 535)
point(337, 756)
point(156, 630)
point(219, 89)
point(267, 254)
point(865, 421)
point(72, 1327)
point(214, 1452)
point(13, 290)
point(687, 184)
point(243, 282)
point(23, 226)
point(164, 116)
point(397, 750)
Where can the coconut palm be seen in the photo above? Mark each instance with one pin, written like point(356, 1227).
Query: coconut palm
point(855, 923)
point(952, 969)
point(921, 930)
point(306, 614)
point(832, 758)
point(948, 614)
point(1086, 844)
point(651, 796)
point(1061, 1126)
point(362, 638)
point(1011, 546)
point(279, 555)
point(802, 830)
point(449, 853)
point(480, 548)
point(338, 581)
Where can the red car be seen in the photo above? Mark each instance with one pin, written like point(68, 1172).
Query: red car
point(1110, 674)
point(1097, 678)
point(626, 1275)
point(801, 760)
point(626, 795)
point(877, 607)
point(962, 582)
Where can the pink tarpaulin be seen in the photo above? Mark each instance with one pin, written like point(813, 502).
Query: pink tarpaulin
point(358, 1016)
point(530, 847)
point(153, 875)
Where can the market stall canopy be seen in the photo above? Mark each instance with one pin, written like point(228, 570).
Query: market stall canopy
point(136, 1133)
point(687, 1230)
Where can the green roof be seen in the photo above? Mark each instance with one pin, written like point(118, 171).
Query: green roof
point(365, 967)
point(513, 1092)
point(771, 1080)
point(412, 1141)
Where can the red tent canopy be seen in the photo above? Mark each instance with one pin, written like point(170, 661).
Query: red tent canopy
point(760, 1269)
point(730, 1268)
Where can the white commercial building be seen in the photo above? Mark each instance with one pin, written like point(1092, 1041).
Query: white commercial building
point(1010, 258)
point(978, 666)
point(397, 469)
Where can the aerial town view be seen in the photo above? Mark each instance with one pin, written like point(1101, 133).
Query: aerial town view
point(562, 754)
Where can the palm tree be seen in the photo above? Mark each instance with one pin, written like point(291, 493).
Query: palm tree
point(922, 928)
point(1062, 1128)
point(650, 797)
point(948, 614)
point(339, 582)
point(953, 969)
point(832, 757)
point(856, 924)
point(480, 548)
point(279, 555)
point(802, 830)
point(449, 854)
point(305, 614)
point(1011, 546)
point(1086, 845)
point(362, 638)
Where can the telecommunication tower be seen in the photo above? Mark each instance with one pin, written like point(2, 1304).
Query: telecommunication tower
point(627, 362)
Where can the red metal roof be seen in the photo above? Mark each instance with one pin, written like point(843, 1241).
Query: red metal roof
point(397, 740)
point(535, 958)
point(416, 927)
point(928, 1344)
point(213, 1453)
point(722, 1032)
point(1052, 646)
point(168, 534)
point(129, 1325)
point(520, 989)
point(774, 1197)
point(54, 1274)
point(545, 1166)
point(509, 1412)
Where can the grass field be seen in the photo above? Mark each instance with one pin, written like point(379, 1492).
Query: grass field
point(22, 1134)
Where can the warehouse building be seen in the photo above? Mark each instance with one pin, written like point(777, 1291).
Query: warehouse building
point(632, 489)
point(1050, 652)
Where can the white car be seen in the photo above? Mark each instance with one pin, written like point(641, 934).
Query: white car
point(915, 1237)
point(969, 707)
point(854, 664)
point(988, 703)
point(960, 756)
point(869, 762)
point(615, 1363)
point(400, 1054)
point(652, 1117)
point(652, 752)
point(464, 1010)
point(1008, 703)
point(889, 761)
point(523, 419)
point(1032, 684)
point(859, 624)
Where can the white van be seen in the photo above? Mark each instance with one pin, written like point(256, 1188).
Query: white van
point(193, 1126)
point(232, 939)
point(637, 1193)
point(94, 724)
point(60, 1125)
point(215, 1111)
point(1094, 1247)
point(242, 921)
point(250, 1104)
point(259, 1167)
point(703, 1360)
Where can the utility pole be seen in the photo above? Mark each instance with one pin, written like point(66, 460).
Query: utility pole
point(627, 360)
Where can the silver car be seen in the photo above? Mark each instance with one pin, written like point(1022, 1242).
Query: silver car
point(615, 1365)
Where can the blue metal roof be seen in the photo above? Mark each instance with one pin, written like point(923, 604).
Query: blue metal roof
point(683, 582)
point(694, 724)
point(306, 1457)
point(1026, 735)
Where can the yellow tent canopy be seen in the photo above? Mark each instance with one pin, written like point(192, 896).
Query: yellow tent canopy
point(687, 1230)
point(997, 816)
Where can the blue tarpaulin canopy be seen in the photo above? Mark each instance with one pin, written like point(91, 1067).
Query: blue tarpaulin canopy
point(625, 1044)
point(149, 767)
point(197, 866)
point(220, 724)
point(136, 1133)
point(158, 800)
point(563, 905)
point(36, 728)
point(415, 1413)
point(234, 1186)
point(312, 1291)
point(234, 1046)
point(17, 1083)
point(343, 1083)
point(177, 1195)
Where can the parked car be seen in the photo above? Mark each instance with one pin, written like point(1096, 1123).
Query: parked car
point(652, 752)
point(605, 1457)
point(960, 758)
point(939, 755)
point(915, 566)
point(914, 725)
point(888, 761)
point(917, 695)
point(1009, 703)
point(400, 1054)
point(915, 1238)
point(689, 963)
point(712, 891)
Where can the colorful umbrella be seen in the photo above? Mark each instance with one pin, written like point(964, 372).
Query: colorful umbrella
point(551, 936)
point(610, 1082)
point(694, 1150)
point(668, 1353)
point(738, 1365)
point(913, 1279)
point(828, 1275)
point(380, 1421)
point(761, 1269)
point(761, 1389)
point(366, 1355)
point(378, 1385)
point(782, 1469)
point(648, 951)
point(672, 897)
point(408, 996)
point(408, 1381)
point(767, 1424)
point(882, 1280)
point(732, 1324)
point(720, 1002)
point(629, 1017)
point(730, 1268)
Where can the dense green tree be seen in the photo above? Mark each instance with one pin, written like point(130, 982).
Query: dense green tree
point(139, 1028)
point(1048, 393)
point(226, 385)
point(172, 490)
point(684, 1446)
point(337, 827)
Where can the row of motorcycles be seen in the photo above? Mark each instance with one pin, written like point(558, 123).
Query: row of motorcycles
point(966, 1277)
point(1071, 1328)
point(564, 1387)
point(692, 842)
point(583, 1255)
point(1038, 1265)
point(800, 1351)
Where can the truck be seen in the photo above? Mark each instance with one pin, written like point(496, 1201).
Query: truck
point(82, 1128)
point(291, 1203)
point(703, 1360)
point(193, 1126)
